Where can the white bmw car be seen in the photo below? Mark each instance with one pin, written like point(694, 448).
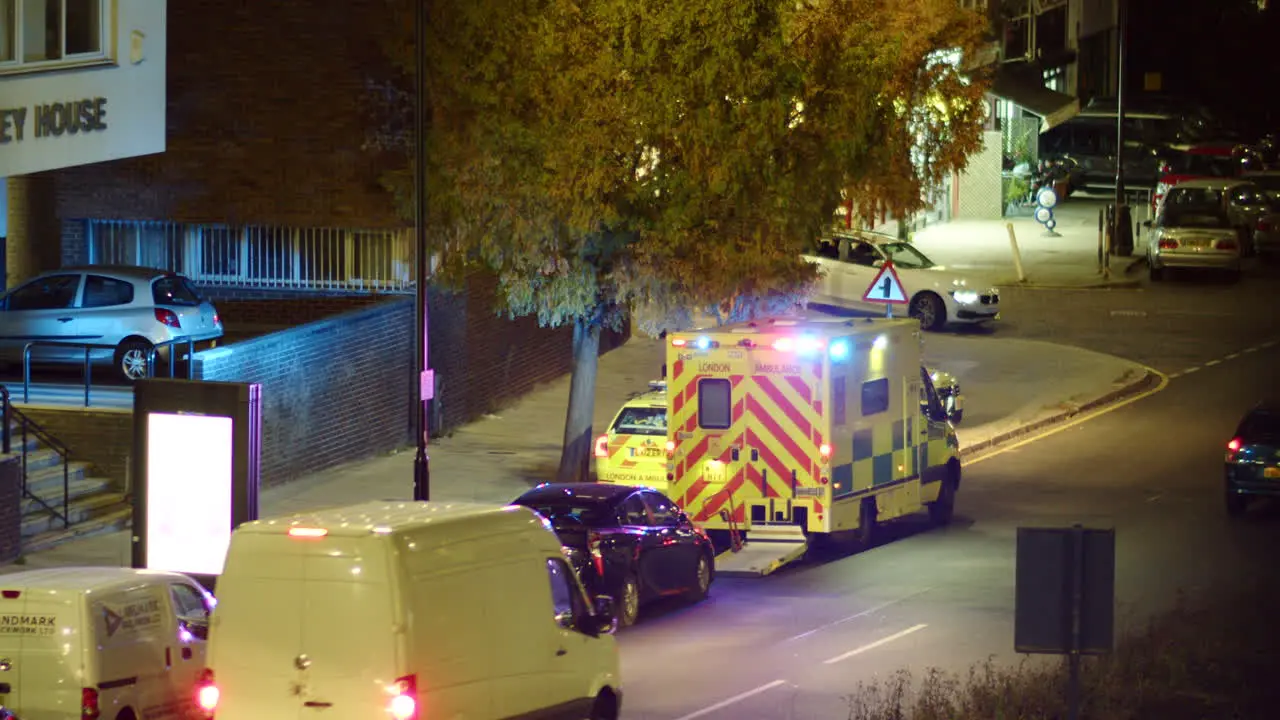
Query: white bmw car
point(933, 294)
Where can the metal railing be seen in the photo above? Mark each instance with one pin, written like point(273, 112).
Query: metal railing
point(87, 363)
point(266, 257)
point(31, 427)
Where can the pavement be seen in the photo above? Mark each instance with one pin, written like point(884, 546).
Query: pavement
point(1069, 260)
point(944, 598)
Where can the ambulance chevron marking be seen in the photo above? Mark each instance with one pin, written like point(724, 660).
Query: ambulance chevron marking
point(787, 408)
point(775, 432)
point(715, 502)
point(802, 388)
point(779, 468)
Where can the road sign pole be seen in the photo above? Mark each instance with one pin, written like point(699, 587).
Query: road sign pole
point(1077, 601)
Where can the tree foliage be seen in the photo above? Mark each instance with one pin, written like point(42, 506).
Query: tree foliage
point(932, 112)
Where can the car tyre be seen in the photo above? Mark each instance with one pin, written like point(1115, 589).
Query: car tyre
point(628, 601)
point(929, 309)
point(131, 359)
point(703, 574)
point(1237, 504)
point(865, 535)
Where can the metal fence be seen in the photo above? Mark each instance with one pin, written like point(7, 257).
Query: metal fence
point(265, 257)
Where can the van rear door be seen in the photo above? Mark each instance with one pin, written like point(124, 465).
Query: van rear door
point(40, 639)
point(304, 628)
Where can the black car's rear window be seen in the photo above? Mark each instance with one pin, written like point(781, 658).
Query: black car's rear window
point(1261, 426)
point(174, 290)
point(597, 514)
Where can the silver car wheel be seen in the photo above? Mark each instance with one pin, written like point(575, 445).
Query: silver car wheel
point(631, 600)
point(704, 575)
point(133, 363)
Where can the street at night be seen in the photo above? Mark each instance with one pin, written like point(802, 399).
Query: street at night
point(1151, 469)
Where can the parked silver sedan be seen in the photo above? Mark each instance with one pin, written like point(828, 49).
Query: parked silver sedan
point(1203, 224)
point(125, 311)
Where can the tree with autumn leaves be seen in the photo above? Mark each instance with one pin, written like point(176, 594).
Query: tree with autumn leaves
point(674, 155)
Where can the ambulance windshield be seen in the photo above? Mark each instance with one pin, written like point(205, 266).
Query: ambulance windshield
point(641, 421)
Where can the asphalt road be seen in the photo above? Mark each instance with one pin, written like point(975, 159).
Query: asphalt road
point(792, 645)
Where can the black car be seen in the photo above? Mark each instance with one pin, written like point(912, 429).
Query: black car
point(1253, 458)
point(629, 542)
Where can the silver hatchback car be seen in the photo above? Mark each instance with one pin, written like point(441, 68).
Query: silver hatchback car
point(125, 311)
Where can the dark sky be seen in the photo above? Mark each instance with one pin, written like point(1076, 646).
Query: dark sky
point(1222, 53)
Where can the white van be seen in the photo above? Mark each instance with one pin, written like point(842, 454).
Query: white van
point(379, 609)
point(82, 643)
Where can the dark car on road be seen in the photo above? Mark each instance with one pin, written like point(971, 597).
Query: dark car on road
point(629, 542)
point(1253, 458)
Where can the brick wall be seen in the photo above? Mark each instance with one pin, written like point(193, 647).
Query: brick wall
point(334, 390)
point(102, 438)
point(10, 507)
point(267, 118)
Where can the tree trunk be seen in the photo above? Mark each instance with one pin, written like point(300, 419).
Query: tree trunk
point(575, 458)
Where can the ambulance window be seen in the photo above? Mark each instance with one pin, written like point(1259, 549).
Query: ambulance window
point(838, 414)
point(715, 400)
point(875, 396)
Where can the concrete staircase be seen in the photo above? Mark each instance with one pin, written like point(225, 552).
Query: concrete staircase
point(94, 506)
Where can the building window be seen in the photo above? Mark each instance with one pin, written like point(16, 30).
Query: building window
point(38, 33)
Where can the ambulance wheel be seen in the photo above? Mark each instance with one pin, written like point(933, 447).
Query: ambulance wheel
point(943, 509)
point(928, 308)
point(606, 706)
point(865, 535)
point(126, 714)
point(628, 601)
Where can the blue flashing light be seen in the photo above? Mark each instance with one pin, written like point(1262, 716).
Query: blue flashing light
point(808, 345)
point(839, 349)
point(703, 343)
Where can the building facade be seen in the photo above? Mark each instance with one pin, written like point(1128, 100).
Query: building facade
point(82, 82)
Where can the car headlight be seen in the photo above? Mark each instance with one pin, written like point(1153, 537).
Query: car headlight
point(965, 297)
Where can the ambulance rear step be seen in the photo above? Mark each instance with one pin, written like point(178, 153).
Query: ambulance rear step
point(767, 548)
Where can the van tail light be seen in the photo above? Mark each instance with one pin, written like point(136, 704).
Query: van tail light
point(1166, 244)
point(404, 698)
point(825, 451)
point(167, 317)
point(602, 446)
point(89, 704)
point(12, 594)
point(207, 693)
point(1233, 448)
point(217, 321)
point(593, 546)
point(1226, 245)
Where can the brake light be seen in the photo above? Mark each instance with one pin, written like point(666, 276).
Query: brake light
point(306, 532)
point(167, 317)
point(217, 320)
point(12, 594)
point(597, 557)
point(1226, 245)
point(671, 448)
point(1168, 244)
point(1233, 447)
point(825, 451)
point(679, 342)
point(89, 704)
point(602, 446)
point(404, 698)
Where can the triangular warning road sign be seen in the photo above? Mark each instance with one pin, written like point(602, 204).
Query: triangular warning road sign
point(886, 288)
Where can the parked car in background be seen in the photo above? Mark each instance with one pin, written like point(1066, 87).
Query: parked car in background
point(634, 449)
point(936, 295)
point(126, 311)
point(1266, 232)
point(630, 543)
point(1208, 160)
point(1202, 224)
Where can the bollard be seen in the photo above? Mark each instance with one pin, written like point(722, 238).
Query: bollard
point(1102, 249)
point(1017, 256)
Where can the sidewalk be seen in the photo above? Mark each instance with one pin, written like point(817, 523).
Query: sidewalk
point(1006, 383)
point(1070, 261)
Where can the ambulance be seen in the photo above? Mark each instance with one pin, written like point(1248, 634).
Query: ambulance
point(791, 430)
point(634, 450)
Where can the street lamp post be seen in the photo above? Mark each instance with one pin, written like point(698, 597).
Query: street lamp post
point(424, 385)
point(1122, 22)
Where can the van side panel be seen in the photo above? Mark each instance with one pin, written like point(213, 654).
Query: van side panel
point(41, 633)
point(131, 629)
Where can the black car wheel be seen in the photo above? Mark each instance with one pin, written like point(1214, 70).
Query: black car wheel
point(628, 601)
point(929, 310)
point(702, 578)
point(865, 535)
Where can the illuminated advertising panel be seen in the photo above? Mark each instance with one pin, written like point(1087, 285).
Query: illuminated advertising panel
point(189, 481)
